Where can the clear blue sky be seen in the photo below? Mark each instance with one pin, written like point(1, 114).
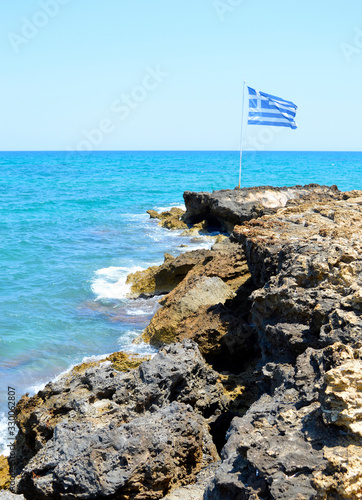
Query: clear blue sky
point(178, 67)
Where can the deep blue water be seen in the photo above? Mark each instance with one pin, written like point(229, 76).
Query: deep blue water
point(73, 225)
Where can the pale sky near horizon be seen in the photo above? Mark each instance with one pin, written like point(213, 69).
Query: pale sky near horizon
point(167, 75)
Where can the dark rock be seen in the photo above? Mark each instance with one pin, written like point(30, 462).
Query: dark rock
point(226, 208)
point(277, 450)
point(135, 460)
point(92, 403)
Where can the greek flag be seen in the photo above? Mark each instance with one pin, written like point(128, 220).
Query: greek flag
point(266, 109)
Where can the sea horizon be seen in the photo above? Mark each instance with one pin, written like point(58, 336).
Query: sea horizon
point(180, 151)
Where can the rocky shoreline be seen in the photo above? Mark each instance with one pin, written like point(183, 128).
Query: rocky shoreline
point(256, 390)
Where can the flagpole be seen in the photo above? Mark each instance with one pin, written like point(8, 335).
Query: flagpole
point(241, 133)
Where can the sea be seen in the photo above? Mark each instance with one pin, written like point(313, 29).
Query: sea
point(74, 225)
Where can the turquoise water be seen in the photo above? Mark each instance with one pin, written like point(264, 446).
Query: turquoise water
point(74, 225)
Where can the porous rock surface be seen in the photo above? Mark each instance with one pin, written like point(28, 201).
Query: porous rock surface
point(107, 433)
point(225, 260)
point(5, 476)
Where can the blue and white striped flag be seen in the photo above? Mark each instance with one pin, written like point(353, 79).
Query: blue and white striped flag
point(266, 109)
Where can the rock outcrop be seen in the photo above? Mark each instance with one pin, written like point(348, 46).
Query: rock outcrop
point(276, 310)
point(226, 208)
point(170, 219)
point(210, 305)
point(138, 459)
point(301, 438)
point(158, 280)
point(195, 292)
point(105, 433)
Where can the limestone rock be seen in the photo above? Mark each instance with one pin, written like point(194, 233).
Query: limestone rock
point(311, 283)
point(193, 293)
point(225, 260)
point(197, 229)
point(345, 479)
point(220, 329)
point(288, 341)
point(282, 447)
point(153, 214)
point(170, 219)
point(342, 395)
point(196, 490)
point(292, 442)
point(157, 280)
point(5, 477)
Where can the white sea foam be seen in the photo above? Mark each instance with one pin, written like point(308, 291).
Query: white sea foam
point(34, 389)
point(110, 282)
point(137, 312)
point(4, 441)
point(125, 344)
point(143, 307)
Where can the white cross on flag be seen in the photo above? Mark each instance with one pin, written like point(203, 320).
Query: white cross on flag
point(266, 109)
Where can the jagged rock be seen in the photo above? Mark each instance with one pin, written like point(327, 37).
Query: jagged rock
point(170, 219)
point(194, 491)
point(282, 447)
point(226, 208)
point(344, 480)
point(135, 460)
point(311, 283)
point(289, 343)
point(91, 402)
point(120, 361)
point(164, 278)
point(153, 214)
point(198, 229)
point(220, 331)
point(225, 260)
point(296, 438)
point(342, 395)
point(193, 292)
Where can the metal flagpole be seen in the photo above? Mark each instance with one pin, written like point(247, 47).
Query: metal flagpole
point(241, 133)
